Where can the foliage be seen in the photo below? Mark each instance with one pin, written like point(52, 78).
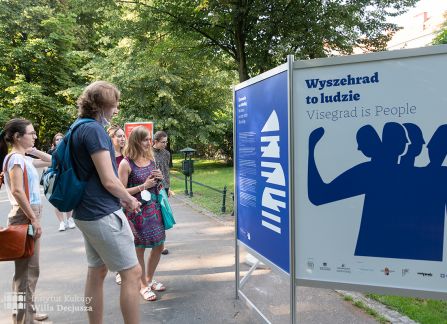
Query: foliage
point(167, 79)
point(38, 61)
point(174, 61)
point(258, 34)
point(441, 37)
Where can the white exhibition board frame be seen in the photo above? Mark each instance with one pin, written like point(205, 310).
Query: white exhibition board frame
point(344, 237)
point(342, 95)
point(263, 197)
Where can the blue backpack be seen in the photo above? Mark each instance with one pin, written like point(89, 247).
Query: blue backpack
point(62, 187)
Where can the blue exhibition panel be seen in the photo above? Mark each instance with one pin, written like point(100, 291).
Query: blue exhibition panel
point(261, 168)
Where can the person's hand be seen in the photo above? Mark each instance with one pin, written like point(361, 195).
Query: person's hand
point(157, 174)
point(31, 150)
point(150, 182)
point(131, 204)
point(36, 228)
point(171, 193)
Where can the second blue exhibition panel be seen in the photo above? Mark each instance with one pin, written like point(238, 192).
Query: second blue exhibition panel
point(261, 166)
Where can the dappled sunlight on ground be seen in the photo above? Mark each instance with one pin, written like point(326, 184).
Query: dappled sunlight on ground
point(199, 262)
point(217, 230)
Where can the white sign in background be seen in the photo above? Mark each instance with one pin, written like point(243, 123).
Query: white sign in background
point(326, 235)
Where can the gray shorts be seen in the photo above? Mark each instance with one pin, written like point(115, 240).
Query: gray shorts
point(109, 240)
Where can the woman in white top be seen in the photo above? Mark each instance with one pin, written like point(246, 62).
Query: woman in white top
point(20, 135)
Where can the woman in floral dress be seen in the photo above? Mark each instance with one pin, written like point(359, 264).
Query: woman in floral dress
point(138, 173)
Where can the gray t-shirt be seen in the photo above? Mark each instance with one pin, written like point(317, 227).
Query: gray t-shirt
point(96, 202)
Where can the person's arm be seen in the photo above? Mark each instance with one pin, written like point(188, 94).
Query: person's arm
point(43, 159)
point(124, 172)
point(18, 191)
point(103, 164)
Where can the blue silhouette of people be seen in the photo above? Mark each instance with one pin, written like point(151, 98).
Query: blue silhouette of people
point(404, 210)
point(368, 141)
point(416, 144)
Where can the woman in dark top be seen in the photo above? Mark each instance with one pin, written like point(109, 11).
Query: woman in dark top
point(118, 138)
point(143, 180)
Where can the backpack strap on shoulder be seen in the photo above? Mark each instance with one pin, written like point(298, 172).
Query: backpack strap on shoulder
point(73, 127)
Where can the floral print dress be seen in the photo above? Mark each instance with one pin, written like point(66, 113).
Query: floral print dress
point(147, 224)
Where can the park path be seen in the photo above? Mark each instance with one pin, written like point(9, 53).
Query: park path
point(198, 273)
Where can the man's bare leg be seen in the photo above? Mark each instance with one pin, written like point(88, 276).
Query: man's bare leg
point(130, 296)
point(94, 289)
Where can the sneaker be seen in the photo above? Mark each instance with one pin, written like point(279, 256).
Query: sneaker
point(71, 223)
point(61, 226)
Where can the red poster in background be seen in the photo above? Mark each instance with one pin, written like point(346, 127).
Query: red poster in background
point(129, 126)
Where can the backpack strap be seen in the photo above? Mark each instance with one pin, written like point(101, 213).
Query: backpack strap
point(69, 145)
point(76, 124)
point(79, 122)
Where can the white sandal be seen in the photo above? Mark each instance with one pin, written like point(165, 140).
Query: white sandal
point(157, 286)
point(118, 278)
point(148, 294)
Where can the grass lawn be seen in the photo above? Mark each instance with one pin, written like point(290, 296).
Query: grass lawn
point(424, 311)
point(212, 173)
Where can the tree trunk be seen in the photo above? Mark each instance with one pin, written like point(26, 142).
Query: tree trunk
point(240, 10)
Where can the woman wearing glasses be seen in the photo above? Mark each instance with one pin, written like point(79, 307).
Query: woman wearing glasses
point(22, 186)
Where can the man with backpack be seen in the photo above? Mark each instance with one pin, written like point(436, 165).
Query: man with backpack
point(109, 241)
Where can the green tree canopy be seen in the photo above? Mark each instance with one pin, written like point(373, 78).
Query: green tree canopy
point(173, 60)
point(259, 34)
point(38, 63)
point(169, 79)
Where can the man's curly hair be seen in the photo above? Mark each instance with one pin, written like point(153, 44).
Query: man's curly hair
point(96, 97)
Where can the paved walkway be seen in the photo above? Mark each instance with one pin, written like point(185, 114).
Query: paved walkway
point(198, 273)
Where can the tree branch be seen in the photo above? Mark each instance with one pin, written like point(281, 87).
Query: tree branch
point(226, 48)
